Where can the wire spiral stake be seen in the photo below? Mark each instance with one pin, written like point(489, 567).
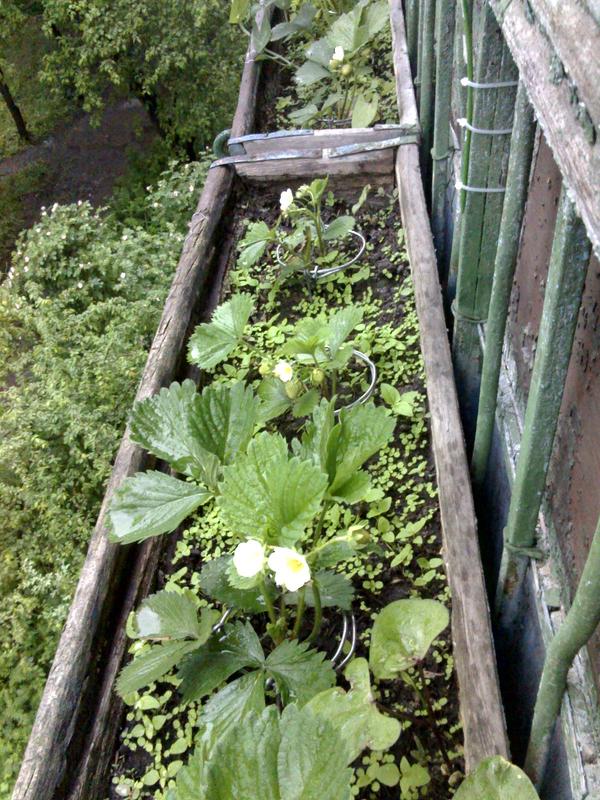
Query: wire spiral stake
point(316, 273)
point(371, 387)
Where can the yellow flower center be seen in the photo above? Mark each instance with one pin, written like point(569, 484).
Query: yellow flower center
point(295, 565)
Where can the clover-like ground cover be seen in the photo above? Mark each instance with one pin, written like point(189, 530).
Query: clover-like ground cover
point(158, 734)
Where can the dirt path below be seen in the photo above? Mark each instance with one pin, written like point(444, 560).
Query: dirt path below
point(81, 162)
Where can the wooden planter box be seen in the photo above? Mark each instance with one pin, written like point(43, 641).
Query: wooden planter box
point(73, 737)
point(356, 154)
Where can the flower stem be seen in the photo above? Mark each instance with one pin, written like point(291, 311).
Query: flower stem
point(318, 613)
point(268, 601)
point(299, 613)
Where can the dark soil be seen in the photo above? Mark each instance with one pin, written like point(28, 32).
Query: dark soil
point(396, 698)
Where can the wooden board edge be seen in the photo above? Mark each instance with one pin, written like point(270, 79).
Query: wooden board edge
point(556, 112)
point(481, 707)
point(245, 113)
point(407, 107)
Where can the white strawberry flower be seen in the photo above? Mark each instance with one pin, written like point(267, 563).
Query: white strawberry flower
point(286, 200)
point(284, 371)
point(249, 558)
point(338, 54)
point(290, 567)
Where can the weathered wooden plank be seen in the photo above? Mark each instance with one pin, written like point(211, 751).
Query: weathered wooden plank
point(245, 113)
point(480, 702)
point(572, 138)
point(367, 166)
point(575, 35)
point(322, 139)
point(407, 107)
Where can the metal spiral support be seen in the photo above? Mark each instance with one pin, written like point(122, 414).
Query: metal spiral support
point(316, 273)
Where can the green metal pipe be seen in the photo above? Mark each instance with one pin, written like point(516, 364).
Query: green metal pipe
point(564, 287)
point(419, 54)
point(467, 15)
point(427, 77)
point(481, 216)
point(412, 32)
point(517, 184)
point(444, 42)
point(576, 630)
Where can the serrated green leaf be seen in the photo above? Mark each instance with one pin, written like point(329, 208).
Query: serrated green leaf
point(190, 430)
point(229, 708)
point(273, 399)
point(151, 665)
point(354, 714)
point(339, 228)
point(306, 403)
point(335, 590)
point(171, 615)
point(162, 425)
point(403, 633)
point(311, 72)
point(496, 779)
point(349, 30)
point(324, 338)
point(390, 394)
point(298, 671)
point(256, 240)
point(224, 419)
point(342, 448)
point(377, 16)
point(191, 779)
point(269, 495)
point(236, 648)
point(244, 765)
point(301, 21)
point(213, 341)
point(364, 112)
point(151, 503)
point(214, 582)
point(312, 759)
point(261, 34)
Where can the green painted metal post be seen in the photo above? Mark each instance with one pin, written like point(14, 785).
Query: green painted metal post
point(412, 32)
point(517, 184)
point(444, 40)
point(427, 89)
point(564, 287)
point(467, 16)
point(576, 630)
point(487, 168)
point(419, 53)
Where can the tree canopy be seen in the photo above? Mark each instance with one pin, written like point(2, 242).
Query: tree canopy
point(179, 57)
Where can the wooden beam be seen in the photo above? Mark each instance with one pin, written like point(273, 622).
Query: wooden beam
point(575, 35)
point(407, 107)
point(565, 102)
point(480, 701)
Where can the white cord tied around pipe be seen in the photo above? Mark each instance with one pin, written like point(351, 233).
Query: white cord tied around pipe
point(464, 123)
point(460, 186)
point(497, 85)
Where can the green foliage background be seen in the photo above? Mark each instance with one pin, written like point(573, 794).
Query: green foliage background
point(77, 316)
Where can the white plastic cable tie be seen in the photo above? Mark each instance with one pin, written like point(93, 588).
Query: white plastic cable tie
point(460, 186)
point(498, 85)
point(486, 131)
